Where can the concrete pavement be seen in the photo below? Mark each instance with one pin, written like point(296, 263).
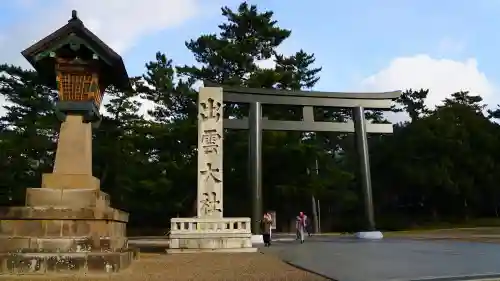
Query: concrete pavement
point(350, 259)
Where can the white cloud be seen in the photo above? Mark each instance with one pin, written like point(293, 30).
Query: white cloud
point(441, 76)
point(267, 64)
point(120, 23)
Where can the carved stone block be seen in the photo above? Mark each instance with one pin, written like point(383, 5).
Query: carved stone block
point(66, 197)
point(210, 153)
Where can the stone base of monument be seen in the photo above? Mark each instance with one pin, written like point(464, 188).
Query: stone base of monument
point(257, 239)
point(47, 236)
point(373, 235)
point(197, 235)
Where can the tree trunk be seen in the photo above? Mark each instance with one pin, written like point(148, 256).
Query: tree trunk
point(315, 214)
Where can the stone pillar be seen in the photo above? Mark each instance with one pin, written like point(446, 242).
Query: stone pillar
point(364, 164)
point(210, 231)
point(210, 132)
point(73, 161)
point(75, 142)
point(255, 169)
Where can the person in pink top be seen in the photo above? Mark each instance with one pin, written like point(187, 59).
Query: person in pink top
point(301, 226)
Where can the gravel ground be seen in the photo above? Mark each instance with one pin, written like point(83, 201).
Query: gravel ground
point(204, 266)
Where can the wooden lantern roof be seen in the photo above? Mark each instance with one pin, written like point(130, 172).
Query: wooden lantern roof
point(110, 65)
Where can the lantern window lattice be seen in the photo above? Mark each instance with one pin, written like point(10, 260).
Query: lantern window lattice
point(78, 87)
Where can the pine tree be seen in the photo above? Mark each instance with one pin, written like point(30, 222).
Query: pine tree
point(28, 131)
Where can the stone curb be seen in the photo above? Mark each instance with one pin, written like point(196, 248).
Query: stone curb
point(282, 239)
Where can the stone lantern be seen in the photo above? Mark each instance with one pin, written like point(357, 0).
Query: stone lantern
point(68, 224)
point(79, 66)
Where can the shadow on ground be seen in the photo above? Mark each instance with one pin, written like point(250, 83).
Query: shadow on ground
point(149, 244)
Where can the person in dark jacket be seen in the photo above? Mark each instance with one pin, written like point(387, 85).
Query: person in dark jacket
point(308, 226)
point(267, 222)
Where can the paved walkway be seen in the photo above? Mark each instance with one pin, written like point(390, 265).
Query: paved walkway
point(350, 259)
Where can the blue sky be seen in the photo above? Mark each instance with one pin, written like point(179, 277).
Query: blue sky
point(361, 44)
point(353, 39)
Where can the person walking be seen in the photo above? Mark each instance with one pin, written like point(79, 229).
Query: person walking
point(267, 222)
point(301, 226)
point(308, 226)
point(297, 228)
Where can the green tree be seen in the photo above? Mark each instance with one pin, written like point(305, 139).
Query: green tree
point(413, 103)
point(441, 164)
point(174, 130)
point(231, 57)
point(27, 130)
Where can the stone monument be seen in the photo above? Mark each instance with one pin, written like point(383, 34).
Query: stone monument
point(210, 231)
point(68, 225)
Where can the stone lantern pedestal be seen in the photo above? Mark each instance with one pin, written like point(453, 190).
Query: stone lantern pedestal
point(68, 225)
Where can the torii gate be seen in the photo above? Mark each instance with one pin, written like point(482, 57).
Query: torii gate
point(255, 123)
